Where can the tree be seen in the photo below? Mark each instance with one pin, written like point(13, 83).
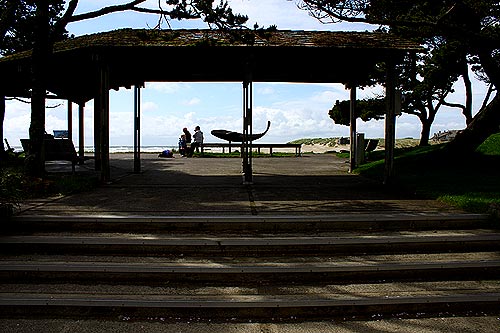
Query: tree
point(426, 87)
point(8, 11)
point(48, 28)
point(366, 109)
point(473, 24)
point(17, 19)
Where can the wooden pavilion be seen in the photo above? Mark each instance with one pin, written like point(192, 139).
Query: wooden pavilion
point(87, 67)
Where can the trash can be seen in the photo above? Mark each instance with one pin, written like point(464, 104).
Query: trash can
point(360, 149)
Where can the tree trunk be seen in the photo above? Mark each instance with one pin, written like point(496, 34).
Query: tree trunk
point(35, 161)
point(485, 123)
point(427, 116)
point(467, 111)
point(425, 133)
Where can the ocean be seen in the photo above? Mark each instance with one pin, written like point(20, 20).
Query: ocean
point(119, 149)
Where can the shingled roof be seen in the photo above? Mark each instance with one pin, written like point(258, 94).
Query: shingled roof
point(155, 38)
point(136, 56)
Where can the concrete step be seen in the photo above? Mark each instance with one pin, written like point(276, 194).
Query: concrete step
point(248, 266)
point(306, 302)
point(285, 244)
point(250, 223)
point(234, 271)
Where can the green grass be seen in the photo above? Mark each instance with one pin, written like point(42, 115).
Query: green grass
point(15, 185)
point(316, 141)
point(236, 154)
point(491, 146)
point(468, 181)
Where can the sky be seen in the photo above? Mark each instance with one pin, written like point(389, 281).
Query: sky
point(295, 110)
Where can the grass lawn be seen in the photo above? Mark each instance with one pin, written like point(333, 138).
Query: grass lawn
point(468, 181)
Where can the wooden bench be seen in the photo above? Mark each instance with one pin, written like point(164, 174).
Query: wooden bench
point(56, 150)
point(258, 146)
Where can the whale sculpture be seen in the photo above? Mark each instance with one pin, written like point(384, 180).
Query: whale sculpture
point(237, 137)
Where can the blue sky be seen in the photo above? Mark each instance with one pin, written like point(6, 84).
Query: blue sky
point(295, 110)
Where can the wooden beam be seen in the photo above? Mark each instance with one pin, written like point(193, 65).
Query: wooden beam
point(81, 133)
point(352, 122)
point(247, 132)
point(70, 120)
point(2, 117)
point(137, 129)
point(390, 122)
point(104, 122)
point(101, 120)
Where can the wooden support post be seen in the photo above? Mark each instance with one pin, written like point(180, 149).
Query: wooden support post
point(137, 129)
point(97, 134)
point(101, 123)
point(390, 122)
point(247, 132)
point(2, 118)
point(352, 122)
point(105, 172)
point(81, 133)
point(70, 120)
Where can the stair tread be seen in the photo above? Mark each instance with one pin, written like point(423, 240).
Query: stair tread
point(330, 259)
point(229, 301)
point(258, 240)
point(192, 266)
point(82, 273)
point(354, 289)
point(111, 218)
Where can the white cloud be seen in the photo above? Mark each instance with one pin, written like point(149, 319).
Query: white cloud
point(167, 87)
point(149, 106)
point(328, 96)
point(54, 123)
point(265, 90)
point(192, 101)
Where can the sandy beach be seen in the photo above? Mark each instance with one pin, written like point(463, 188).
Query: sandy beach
point(320, 149)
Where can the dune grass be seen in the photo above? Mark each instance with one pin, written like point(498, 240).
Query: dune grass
point(468, 181)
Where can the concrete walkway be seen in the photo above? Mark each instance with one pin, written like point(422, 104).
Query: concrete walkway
point(309, 185)
point(312, 184)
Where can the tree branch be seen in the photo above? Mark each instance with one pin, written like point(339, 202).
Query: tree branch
point(7, 17)
point(106, 10)
point(487, 97)
point(151, 11)
point(453, 105)
point(60, 25)
point(322, 11)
